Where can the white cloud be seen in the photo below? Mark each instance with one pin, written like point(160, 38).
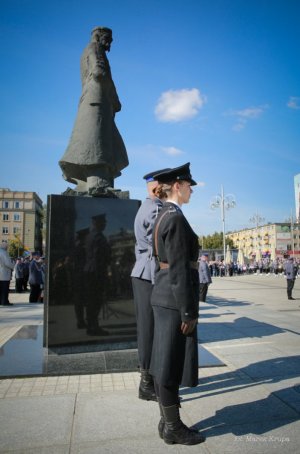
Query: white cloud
point(172, 151)
point(201, 183)
point(178, 105)
point(244, 115)
point(294, 102)
point(251, 112)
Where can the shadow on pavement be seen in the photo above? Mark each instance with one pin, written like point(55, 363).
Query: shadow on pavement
point(256, 417)
point(242, 327)
point(263, 415)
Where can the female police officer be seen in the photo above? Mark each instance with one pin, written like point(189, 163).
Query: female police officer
point(142, 282)
point(175, 301)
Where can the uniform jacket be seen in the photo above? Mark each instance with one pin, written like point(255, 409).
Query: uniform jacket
point(19, 270)
point(176, 287)
point(143, 225)
point(290, 270)
point(6, 265)
point(35, 273)
point(204, 273)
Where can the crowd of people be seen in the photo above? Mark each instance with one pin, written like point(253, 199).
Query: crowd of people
point(25, 271)
point(265, 266)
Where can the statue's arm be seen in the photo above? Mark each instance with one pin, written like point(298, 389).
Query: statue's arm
point(96, 62)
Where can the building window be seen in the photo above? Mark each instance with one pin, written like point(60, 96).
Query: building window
point(16, 230)
point(5, 204)
point(17, 204)
point(17, 217)
point(4, 230)
point(5, 217)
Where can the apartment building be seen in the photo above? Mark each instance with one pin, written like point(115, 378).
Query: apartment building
point(21, 217)
point(269, 240)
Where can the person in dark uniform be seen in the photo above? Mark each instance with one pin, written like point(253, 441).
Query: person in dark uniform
point(204, 277)
point(175, 302)
point(290, 271)
point(142, 283)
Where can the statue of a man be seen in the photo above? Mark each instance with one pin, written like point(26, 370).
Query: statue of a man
point(96, 153)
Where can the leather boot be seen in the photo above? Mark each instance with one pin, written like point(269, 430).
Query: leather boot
point(146, 388)
point(161, 423)
point(177, 432)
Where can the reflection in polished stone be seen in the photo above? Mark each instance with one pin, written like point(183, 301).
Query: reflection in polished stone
point(90, 257)
point(24, 355)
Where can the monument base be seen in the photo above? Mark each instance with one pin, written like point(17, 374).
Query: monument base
point(24, 356)
point(88, 293)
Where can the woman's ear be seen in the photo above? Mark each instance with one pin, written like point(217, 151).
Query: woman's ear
point(176, 185)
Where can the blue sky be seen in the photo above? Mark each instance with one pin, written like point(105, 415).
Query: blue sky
point(211, 82)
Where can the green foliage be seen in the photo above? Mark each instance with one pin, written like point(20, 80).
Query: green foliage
point(44, 222)
point(15, 247)
point(214, 241)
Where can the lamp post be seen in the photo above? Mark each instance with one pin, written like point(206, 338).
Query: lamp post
point(225, 203)
point(257, 220)
point(292, 233)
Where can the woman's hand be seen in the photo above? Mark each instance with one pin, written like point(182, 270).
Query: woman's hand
point(188, 326)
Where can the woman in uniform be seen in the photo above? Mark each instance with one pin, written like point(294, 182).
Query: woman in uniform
point(175, 302)
point(142, 281)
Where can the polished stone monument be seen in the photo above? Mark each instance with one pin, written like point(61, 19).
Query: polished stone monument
point(89, 302)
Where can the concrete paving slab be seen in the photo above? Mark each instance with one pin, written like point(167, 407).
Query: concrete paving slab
point(100, 417)
point(35, 422)
point(247, 439)
point(41, 450)
point(131, 445)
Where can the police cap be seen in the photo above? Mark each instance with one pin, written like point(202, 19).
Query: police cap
point(150, 176)
point(176, 174)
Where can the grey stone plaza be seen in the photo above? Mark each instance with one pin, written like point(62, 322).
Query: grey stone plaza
point(249, 405)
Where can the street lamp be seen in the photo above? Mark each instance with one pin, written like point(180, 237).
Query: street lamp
point(256, 219)
point(225, 203)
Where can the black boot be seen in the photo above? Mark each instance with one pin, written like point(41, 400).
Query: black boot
point(161, 423)
point(177, 432)
point(146, 389)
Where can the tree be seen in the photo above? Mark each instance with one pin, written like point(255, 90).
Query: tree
point(15, 247)
point(215, 241)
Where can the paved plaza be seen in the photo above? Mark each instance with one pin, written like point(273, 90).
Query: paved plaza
point(249, 405)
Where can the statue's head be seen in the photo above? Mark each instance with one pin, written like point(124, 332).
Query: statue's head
point(103, 36)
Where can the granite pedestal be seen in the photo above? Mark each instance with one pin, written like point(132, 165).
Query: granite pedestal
point(88, 294)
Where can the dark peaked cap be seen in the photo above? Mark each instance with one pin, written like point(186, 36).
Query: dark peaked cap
point(179, 173)
point(150, 176)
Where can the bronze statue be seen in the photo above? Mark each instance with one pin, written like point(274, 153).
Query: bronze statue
point(96, 153)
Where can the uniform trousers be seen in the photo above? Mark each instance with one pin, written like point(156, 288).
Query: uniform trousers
point(142, 290)
point(290, 286)
point(4, 290)
point(203, 291)
point(35, 291)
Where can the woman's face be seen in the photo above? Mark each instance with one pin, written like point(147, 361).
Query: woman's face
point(184, 192)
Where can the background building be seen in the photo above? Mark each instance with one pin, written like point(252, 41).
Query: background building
point(269, 240)
point(297, 196)
point(21, 217)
